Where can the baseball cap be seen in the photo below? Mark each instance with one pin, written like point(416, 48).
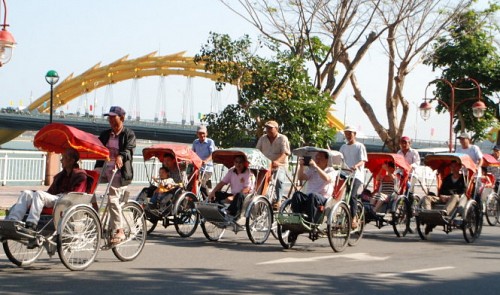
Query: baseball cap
point(464, 135)
point(115, 111)
point(350, 129)
point(497, 147)
point(201, 129)
point(406, 138)
point(273, 124)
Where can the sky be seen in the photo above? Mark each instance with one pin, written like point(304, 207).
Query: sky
point(72, 36)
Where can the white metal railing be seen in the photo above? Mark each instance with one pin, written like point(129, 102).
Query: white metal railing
point(18, 167)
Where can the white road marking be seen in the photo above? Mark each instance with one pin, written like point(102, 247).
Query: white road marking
point(355, 256)
point(423, 270)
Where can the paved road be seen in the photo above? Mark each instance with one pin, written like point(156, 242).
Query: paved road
point(379, 264)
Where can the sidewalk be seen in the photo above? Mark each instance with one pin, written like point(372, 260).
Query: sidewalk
point(9, 194)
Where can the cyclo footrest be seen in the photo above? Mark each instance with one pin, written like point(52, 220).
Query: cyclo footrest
point(210, 211)
point(13, 229)
point(294, 222)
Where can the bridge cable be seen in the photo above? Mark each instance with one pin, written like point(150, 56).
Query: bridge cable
point(161, 102)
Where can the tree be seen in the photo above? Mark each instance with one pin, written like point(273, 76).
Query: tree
point(336, 35)
point(276, 88)
point(468, 50)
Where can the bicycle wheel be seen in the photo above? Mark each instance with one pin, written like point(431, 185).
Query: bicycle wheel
point(287, 238)
point(492, 209)
point(357, 233)
point(424, 230)
point(79, 238)
point(471, 224)
point(401, 217)
point(186, 216)
point(19, 254)
point(259, 221)
point(412, 224)
point(339, 227)
point(213, 232)
point(134, 226)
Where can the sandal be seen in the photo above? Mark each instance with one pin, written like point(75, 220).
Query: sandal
point(117, 238)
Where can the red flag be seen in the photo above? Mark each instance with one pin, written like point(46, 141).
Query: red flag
point(432, 131)
point(90, 108)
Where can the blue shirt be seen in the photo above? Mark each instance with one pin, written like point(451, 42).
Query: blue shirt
point(204, 150)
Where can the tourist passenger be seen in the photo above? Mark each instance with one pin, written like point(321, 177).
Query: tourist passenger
point(275, 146)
point(495, 170)
point(410, 154)
point(470, 149)
point(70, 179)
point(165, 184)
point(241, 181)
point(451, 189)
point(204, 147)
point(318, 187)
point(120, 141)
point(386, 179)
point(170, 163)
point(355, 157)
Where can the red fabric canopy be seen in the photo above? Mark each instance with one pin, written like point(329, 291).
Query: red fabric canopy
point(57, 137)
point(489, 160)
point(376, 160)
point(182, 153)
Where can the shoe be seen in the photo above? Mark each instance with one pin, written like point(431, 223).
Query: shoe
point(30, 225)
point(276, 205)
point(118, 237)
point(428, 229)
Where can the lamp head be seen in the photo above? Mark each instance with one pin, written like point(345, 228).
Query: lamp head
point(52, 77)
point(478, 109)
point(7, 44)
point(425, 110)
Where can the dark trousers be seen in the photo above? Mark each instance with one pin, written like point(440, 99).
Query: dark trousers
point(353, 203)
point(234, 208)
point(308, 204)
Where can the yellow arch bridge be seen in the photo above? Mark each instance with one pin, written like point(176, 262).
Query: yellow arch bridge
point(117, 71)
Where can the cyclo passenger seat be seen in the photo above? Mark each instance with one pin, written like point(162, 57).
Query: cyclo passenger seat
point(92, 182)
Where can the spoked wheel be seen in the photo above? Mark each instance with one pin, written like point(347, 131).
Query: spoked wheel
point(357, 233)
point(259, 220)
point(472, 222)
point(79, 238)
point(213, 232)
point(186, 216)
point(151, 223)
point(424, 230)
point(401, 217)
point(287, 238)
point(492, 210)
point(412, 223)
point(134, 226)
point(339, 227)
point(19, 254)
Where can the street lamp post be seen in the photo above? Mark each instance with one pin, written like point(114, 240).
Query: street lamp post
point(51, 77)
point(478, 107)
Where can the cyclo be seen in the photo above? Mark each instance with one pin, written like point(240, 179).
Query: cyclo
point(177, 206)
point(75, 227)
point(256, 209)
point(465, 215)
point(490, 194)
point(335, 220)
point(389, 192)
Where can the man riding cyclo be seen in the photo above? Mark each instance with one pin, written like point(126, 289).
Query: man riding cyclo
point(319, 186)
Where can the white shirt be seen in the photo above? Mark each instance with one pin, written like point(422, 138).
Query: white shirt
point(412, 157)
point(353, 153)
point(316, 184)
point(473, 151)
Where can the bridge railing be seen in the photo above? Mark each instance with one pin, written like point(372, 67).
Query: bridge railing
point(28, 167)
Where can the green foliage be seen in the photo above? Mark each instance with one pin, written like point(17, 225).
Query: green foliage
point(468, 51)
point(276, 88)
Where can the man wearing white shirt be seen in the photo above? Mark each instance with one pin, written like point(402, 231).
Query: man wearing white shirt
point(355, 157)
point(411, 155)
point(472, 150)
